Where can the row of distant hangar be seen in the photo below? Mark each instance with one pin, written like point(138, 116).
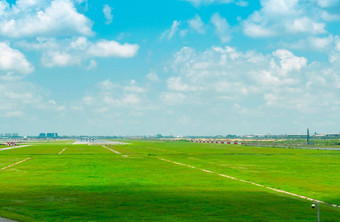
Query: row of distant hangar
point(220, 142)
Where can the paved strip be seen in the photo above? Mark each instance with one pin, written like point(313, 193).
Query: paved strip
point(62, 151)
point(249, 182)
point(13, 147)
point(112, 150)
point(21, 161)
point(6, 220)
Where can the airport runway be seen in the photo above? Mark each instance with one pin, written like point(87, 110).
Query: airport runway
point(6, 220)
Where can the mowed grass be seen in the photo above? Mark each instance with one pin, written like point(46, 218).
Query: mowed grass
point(313, 173)
point(91, 183)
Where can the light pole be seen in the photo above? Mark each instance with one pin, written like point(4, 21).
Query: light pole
point(318, 208)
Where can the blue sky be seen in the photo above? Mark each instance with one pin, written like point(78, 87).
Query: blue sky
point(180, 67)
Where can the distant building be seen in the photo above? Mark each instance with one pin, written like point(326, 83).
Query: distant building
point(8, 134)
point(42, 135)
point(15, 134)
point(52, 135)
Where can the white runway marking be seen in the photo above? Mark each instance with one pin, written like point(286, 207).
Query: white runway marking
point(13, 147)
point(62, 151)
point(112, 150)
point(245, 181)
point(21, 161)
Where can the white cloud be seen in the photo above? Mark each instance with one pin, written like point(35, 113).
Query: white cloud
point(242, 3)
point(134, 88)
point(328, 17)
point(207, 2)
point(12, 60)
point(52, 105)
point(222, 28)
point(36, 18)
point(16, 96)
point(105, 48)
point(153, 77)
point(287, 17)
point(107, 10)
point(315, 43)
point(305, 25)
point(78, 51)
point(175, 83)
point(197, 24)
point(321, 43)
point(107, 85)
point(80, 43)
point(327, 3)
point(169, 33)
point(172, 98)
point(279, 6)
point(289, 62)
point(52, 59)
point(278, 80)
point(183, 33)
point(109, 97)
point(254, 30)
point(337, 44)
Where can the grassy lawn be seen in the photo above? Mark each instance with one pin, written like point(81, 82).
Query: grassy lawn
point(91, 183)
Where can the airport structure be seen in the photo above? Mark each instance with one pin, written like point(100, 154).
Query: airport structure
point(308, 136)
point(48, 135)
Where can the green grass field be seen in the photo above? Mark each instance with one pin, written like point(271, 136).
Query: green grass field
point(91, 183)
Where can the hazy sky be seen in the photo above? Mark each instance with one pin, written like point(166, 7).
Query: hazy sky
point(181, 67)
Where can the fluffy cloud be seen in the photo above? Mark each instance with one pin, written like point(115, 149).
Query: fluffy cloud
point(153, 77)
point(242, 3)
point(105, 48)
point(221, 27)
point(325, 44)
point(197, 24)
point(51, 59)
point(107, 10)
point(207, 2)
point(288, 17)
point(254, 30)
point(16, 96)
point(175, 84)
point(280, 80)
point(20, 98)
point(110, 96)
point(305, 25)
point(42, 18)
point(169, 33)
point(172, 98)
point(78, 51)
point(288, 61)
point(327, 3)
point(12, 60)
